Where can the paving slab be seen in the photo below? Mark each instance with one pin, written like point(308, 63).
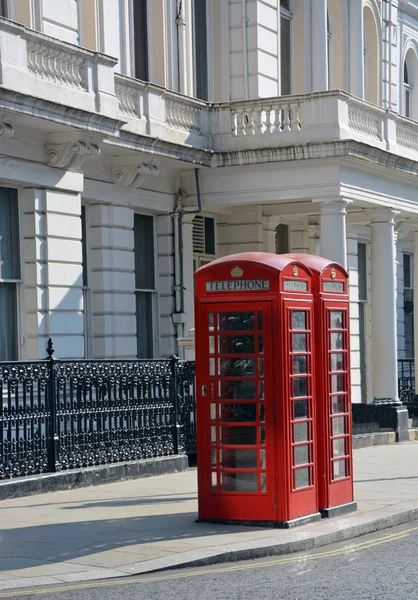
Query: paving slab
point(138, 526)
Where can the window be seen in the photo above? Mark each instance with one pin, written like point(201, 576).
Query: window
point(9, 273)
point(282, 239)
point(285, 48)
point(86, 284)
point(204, 247)
point(362, 300)
point(200, 48)
point(140, 39)
point(4, 12)
point(144, 284)
point(408, 305)
point(407, 90)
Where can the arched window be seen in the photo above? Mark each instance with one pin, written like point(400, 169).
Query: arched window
point(285, 47)
point(371, 58)
point(407, 91)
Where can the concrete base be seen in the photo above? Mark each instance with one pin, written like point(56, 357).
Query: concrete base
point(272, 524)
point(373, 439)
point(336, 511)
point(77, 478)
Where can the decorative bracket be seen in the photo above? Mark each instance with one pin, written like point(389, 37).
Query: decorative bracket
point(70, 155)
point(133, 175)
point(6, 130)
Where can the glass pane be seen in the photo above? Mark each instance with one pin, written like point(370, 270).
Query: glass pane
point(337, 341)
point(9, 235)
point(211, 367)
point(299, 342)
point(236, 344)
point(298, 319)
point(239, 482)
point(238, 413)
point(337, 319)
point(144, 252)
point(261, 389)
point(301, 455)
point(302, 477)
point(285, 56)
point(339, 469)
point(213, 434)
point(262, 459)
point(211, 344)
point(260, 344)
point(144, 328)
point(211, 322)
point(262, 436)
point(338, 404)
point(338, 426)
point(337, 362)
point(237, 390)
point(300, 409)
point(213, 412)
point(339, 447)
point(337, 383)
point(236, 321)
point(214, 480)
point(262, 417)
point(260, 320)
point(238, 459)
point(236, 367)
point(300, 432)
point(213, 458)
point(300, 364)
point(209, 235)
point(8, 322)
point(300, 386)
point(238, 436)
point(263, 482)
point(260, 367)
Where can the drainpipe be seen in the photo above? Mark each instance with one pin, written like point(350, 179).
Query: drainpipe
point(244, 22)
point(179, 318)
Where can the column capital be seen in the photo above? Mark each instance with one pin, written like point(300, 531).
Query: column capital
point(332, 206)
point(382, 215)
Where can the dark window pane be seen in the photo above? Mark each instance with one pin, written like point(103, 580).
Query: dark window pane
point(362, 273)
point(300, 409)
point(285, 55)
point(338, 383)
point(238, 436)
point(260, 367)
point(238, 413)
point(237, 390)
point(337, 362)
point(201, 52)
point(299, 365)
point(337, 319)
point(337, 341)
point(8, 322)
point(300, 387)
point(144, 329)
point(140, 39)
point(144, 252)
point(260, 344)
point(236, 367)
point(407, 270)
point(260, 320)
point(209, 235)
point(238, 459)
point(9, 235)
point(84, 245)
point(262, 413)
point(236, 321)
point(239, 482)
point(236, 344)
point(282, 239)
point(298, 319)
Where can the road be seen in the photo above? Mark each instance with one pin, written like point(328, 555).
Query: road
point(381, 566)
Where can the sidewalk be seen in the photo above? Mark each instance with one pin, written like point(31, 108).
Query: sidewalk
point(147, 524)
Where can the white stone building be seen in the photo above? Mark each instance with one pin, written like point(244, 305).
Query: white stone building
point(298, 119)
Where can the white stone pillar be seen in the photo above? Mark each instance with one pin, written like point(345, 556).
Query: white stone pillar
point(383, 308)
point(333, 230)
point(356, 53)
point(319, 45)
point(415, 281)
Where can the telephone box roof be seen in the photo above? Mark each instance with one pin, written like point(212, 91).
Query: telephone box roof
point(276, 262)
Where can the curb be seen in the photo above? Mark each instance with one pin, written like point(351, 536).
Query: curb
point(90, 476)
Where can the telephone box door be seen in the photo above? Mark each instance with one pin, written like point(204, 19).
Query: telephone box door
point(235, 411)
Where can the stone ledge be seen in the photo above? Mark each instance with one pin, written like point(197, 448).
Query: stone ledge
point(77, 478)
point(373, 439)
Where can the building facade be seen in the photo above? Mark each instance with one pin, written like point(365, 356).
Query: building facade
point(141, 139)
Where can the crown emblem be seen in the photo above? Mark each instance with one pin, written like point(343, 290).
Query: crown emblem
point(237, 272)
point(333, 273)
point(295, 271)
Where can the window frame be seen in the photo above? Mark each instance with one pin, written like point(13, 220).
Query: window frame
point(132, 52)
point(286, 13)
point(208, 62)
point(408, 92)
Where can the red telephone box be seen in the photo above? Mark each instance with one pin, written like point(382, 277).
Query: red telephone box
point(333, 403)
point(255, 379)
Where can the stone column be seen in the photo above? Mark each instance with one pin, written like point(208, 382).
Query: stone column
point(356, 54)
point(270, 225)
point(333, 230)
point(383, 309)
point(319, 45)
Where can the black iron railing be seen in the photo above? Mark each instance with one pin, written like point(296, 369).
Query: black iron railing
point(406, 380)
point(64, 414)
